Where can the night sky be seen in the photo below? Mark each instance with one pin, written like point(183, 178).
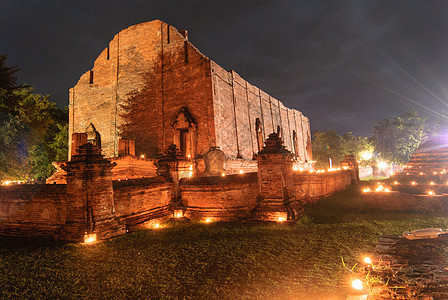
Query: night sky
point(344, 64)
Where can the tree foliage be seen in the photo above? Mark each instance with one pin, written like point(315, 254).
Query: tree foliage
point(33, 130)
point(330, 144)
point(396, 139)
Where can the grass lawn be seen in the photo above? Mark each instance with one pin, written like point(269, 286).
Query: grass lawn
point(209, 261)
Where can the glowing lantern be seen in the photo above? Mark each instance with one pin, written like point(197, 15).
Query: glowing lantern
point(421, 173)
point(90, 238)
point(387, 190)
point(414, 183)
point(208, 220)
point(435, 173)
point(7, 182)
point(241, 172)
point(407, 173)
point(366, 190)
point(188, 155)
point(367, 260)
point(157, 225)
point(431, 193)
point(395, 182)
point(281, 219)
point(223, 174)
point(178, 213)
point(357, 284)
point(142, 156)
point(432, 183)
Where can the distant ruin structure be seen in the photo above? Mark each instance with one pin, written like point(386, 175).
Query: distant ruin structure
point(431, 156)
point(423, 184)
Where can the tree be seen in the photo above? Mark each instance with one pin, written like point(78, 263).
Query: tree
point(31, 126)
point(396, 139)
point(329, 144)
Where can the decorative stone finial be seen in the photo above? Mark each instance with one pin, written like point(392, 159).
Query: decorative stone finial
point(274, 144)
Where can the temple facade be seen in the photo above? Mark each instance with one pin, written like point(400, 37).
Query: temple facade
point(150, 88)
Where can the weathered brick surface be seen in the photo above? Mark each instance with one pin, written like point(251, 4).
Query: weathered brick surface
point(222, 198)
point(162, 77)
point(129, 167)
point(32, 209)
point(150, 71)
point(90, 194)
point(313, 186)
point(139, 201)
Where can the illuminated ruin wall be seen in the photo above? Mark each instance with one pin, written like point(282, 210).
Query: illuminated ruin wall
point(93, 203)
point(153, 86)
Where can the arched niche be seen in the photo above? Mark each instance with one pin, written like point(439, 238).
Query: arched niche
point(185, 131)
point(93, 136)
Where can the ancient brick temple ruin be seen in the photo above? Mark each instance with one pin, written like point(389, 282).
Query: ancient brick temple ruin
point(158, 131)
point(150, 88)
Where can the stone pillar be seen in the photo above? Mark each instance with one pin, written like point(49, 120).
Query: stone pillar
point(351, 163)
point(90, 203)
point(276, 182)
point(173, 167)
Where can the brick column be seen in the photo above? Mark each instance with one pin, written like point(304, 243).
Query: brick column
point(276, 181)
point(173, 167)
point(90, 204)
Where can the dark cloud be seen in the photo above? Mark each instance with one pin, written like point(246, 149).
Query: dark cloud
point(345, 64)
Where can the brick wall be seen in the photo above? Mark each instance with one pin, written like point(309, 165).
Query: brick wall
point(222, 198)
point(312, 186)
point(237, 105)
point(33, 210)
point(233, 166)
point(138, 201)
point(129, 167)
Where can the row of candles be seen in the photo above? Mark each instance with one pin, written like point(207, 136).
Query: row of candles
point(381, 188)
point(92, 238)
